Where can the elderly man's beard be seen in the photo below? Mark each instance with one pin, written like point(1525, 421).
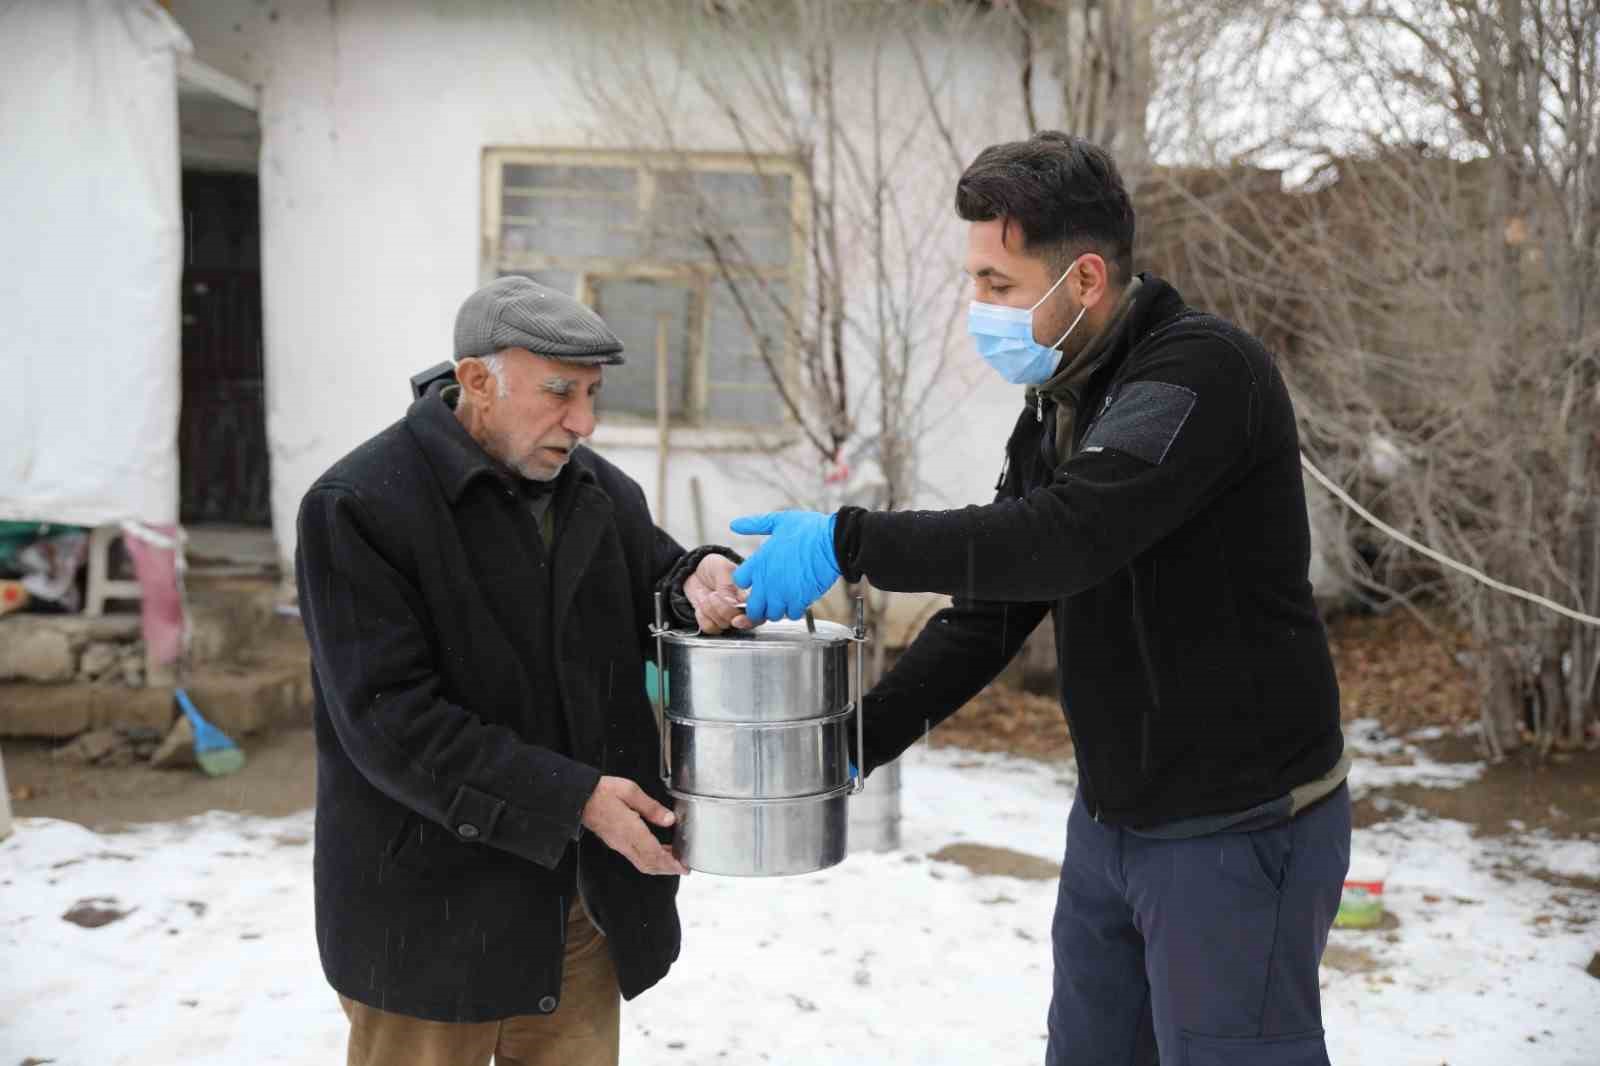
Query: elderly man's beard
point(532, 467)
point(543, 472)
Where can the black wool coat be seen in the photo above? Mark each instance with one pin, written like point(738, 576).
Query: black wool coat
point(1172, 549)
point(471, 689)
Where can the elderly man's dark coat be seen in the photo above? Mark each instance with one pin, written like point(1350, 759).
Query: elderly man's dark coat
point(470, 692)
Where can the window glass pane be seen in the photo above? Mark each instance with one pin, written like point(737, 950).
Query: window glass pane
point(569, 211)
point(733, 350)
point(746, 214)
point(555, 176)
point(676, 194)
point(765, 247)
point(559, 280)
point(745, 199)
point(632, 308)
point(752, 212)
point(572, 242)
point(739, 386)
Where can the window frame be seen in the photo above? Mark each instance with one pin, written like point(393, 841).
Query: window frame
point(628, 429)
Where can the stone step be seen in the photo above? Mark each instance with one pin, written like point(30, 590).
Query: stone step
point(49, 647)
point(241, 700)
point(244, 700)
point(229, 618)
point(67, 709)
point(231, 615)
point(248, 665)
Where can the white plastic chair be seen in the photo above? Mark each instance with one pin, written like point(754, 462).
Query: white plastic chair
point(101, 587)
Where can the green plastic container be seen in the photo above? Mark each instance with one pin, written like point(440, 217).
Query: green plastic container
point(1361, 902)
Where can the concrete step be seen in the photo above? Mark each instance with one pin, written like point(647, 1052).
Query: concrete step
point(241, 700)
point(249, 666)
point(47, 647)
point(229, 619)
point(65, 710)
point(231, 616)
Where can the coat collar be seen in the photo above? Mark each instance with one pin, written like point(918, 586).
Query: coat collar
point(458, 460)
point(1154, 305)
point(1068, 381)
point(1145, 307)
point(583, 508)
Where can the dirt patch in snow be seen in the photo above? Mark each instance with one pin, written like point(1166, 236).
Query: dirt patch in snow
point(1511, 798)
point(1348, 959)
point(988, 861)
point(95, 911)
point(279, 779)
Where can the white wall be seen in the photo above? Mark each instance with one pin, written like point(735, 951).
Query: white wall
point(373, 120)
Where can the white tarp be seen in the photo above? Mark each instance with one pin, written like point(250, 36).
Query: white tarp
point(91, 258)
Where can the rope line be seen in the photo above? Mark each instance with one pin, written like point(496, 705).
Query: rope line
point(1438, 557)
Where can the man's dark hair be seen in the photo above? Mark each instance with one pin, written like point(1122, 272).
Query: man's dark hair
point(1064, 193)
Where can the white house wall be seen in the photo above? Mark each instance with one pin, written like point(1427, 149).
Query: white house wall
point(373, 123)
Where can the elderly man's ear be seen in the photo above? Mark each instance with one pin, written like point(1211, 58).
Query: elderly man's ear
point(718, 603)
point(475, 379)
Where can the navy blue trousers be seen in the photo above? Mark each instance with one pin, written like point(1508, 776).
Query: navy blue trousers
point(1199, 952)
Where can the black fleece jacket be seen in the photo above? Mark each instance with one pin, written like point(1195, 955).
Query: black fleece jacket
point(1173, 548)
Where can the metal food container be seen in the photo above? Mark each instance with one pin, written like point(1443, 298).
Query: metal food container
point(755, 744)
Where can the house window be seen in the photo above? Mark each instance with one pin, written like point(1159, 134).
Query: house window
point(692, 261)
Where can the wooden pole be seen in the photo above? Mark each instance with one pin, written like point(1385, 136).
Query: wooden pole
point(663, 417)
point(5, 800)
point(699, 509)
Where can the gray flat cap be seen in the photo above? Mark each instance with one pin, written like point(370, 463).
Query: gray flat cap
point(517, 313)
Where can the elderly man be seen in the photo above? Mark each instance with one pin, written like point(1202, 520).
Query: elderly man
point(1151, 504)
point(491, 866)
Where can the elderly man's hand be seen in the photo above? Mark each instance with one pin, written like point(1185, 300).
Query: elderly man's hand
point(616, 813)
point(718, 603)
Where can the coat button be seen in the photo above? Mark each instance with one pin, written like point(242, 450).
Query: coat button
point(467, 830)
point(547, 1004)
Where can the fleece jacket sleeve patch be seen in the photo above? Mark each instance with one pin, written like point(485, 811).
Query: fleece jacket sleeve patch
point(1143, 421)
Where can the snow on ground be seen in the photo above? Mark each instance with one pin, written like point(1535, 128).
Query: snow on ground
point(1383, 761)
point(887, 958)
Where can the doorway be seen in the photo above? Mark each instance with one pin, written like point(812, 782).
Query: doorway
point(224, 468)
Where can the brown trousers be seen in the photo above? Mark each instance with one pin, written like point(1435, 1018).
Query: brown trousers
point(583, 1031)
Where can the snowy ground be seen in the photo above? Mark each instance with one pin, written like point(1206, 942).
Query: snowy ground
point(885, 959)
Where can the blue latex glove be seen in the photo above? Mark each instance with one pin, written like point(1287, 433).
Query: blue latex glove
point(791, 571)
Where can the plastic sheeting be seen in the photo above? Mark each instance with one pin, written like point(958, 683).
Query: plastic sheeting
point(93, 257)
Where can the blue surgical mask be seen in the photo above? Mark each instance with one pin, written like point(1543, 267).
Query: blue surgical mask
point(1004, 337)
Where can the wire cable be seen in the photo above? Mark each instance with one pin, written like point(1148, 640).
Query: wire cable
point(1438, 557)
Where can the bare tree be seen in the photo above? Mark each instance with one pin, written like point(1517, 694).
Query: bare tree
point(860, 101)
point(1433, 282)
point(1097, 60)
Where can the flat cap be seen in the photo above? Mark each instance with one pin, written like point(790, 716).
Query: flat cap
point(515, 312)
